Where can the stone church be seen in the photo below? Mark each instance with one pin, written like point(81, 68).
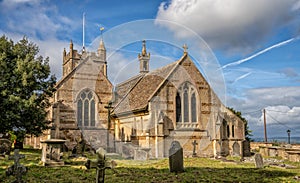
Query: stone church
point(145, 113)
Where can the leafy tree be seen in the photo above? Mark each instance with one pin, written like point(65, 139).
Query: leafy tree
point(25, 88)
point(247, 130)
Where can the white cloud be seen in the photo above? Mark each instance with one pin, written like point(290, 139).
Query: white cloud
point(231, 24)
point(35, 19)
point(51, 48)
point(54, 50)
point(42, 24)
point(121, 68)
point(283, 115)
point(282, 106)
point(12, 3)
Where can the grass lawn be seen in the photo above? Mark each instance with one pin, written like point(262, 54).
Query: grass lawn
point(196, 170)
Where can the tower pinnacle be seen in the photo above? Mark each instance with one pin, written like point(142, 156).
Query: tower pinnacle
point(144, 59)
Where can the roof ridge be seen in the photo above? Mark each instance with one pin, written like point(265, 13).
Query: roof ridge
point(128, 80)
point(163, 67)
point(166, 70)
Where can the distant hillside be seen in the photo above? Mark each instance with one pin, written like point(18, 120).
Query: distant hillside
point(294, 140)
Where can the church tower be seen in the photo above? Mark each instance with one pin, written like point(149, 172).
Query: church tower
point(101, 51)
point(70, 60)
point(144, 59)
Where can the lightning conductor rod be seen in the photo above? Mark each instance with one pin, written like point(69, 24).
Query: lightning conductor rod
point(83, 31)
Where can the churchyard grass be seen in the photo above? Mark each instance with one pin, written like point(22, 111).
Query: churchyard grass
point(196, 170)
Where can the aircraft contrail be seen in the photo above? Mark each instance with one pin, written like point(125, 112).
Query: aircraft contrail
point(242, 77)
point(259, 53)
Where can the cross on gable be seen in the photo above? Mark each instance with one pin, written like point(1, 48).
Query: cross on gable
point(185, 47)
point(16, 157)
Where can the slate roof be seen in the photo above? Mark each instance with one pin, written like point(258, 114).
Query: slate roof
point(141, 89)
point(122, 89)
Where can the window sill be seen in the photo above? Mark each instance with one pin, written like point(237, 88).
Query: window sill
point(187, 125)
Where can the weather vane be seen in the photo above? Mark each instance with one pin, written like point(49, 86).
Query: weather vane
point(101, 31)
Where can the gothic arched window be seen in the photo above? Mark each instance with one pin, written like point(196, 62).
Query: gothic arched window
point(178, 108)
point(228, 131)
point(186, 104)
point(86, 109)
point(224, 130)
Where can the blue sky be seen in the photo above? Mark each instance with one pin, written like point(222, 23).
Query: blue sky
point(252, 45)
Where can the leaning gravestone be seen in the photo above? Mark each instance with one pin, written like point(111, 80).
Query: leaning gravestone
point(16, 169)
point(258, 161)
point(176, 157)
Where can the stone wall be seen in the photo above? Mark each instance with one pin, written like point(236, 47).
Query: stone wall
point(288, 153)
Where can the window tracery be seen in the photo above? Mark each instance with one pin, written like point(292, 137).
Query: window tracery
point(186, 104)
point(86, 109)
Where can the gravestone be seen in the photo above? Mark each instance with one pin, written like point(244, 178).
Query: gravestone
point(258, 161)
point(127, 151)
point(100, 165)
point(79, 149)
point(236, 149)
point(194, 148)
point(246, 148)
point(5, 146)
point(176, 157)
point(16, 169)
point(52, 152)
point(141, 153)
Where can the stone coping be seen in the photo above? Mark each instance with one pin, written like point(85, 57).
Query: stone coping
point(281, 148)
point(275, 147)
point(292, 149)
point(293, 152)
point(53, 141)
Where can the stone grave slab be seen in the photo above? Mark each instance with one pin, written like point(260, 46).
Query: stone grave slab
point(259, 163)
point(52, 152)
point(176, 157)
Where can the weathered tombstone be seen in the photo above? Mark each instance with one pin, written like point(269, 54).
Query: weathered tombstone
point(176, 157)
point(258, 161)
point(100, 165)
point(5, 146)
point(127, 151)
point(141, 153)
point(79, 149)
point(51, 152)
point(236, 149)
point(194, 148)
point(16, 169)
point(246, 148)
